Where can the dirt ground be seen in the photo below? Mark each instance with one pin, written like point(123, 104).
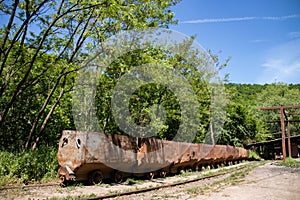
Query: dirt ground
point(267, 182)
point(264, 182)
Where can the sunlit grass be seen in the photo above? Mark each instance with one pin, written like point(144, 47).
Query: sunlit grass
point(290, 162)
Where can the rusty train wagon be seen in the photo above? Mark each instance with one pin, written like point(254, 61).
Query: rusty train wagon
point(94, 156)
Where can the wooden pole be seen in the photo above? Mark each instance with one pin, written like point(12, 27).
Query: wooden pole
point(289, 139)
point(282, 115)
point(283, 133)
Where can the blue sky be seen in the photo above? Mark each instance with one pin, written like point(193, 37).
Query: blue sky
point(262, 37)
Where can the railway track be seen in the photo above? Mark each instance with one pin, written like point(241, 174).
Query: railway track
point(58, 185)
point(143, 190)
point(30, 186)
point(114, 192)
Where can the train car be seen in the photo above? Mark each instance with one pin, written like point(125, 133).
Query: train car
point(94, 156)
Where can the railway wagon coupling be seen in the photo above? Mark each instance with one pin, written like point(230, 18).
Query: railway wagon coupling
point(94, 157)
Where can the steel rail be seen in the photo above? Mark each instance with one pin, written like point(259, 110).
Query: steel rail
point(29, 186)
point(142, 190)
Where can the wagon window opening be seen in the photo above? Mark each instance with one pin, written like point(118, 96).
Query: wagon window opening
point(65, 142)
point(78, 143)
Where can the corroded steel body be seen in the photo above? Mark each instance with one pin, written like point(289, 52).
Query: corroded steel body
point(94, 156)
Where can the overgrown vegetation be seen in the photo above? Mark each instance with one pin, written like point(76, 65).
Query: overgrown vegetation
point(253, 155)
point(29, 166)
point(73, 197)
point(132, 181)
point(43, 44)
point(290, 162)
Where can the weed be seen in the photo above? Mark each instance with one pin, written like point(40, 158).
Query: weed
point(290, 162)
point(131, 181)
point(193, 190)
point(73, 197)
point(28, 167)
point(254, 155)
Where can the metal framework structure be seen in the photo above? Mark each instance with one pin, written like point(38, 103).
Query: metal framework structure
point(284, 118)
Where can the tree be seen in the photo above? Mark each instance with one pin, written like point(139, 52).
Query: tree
point(276, 95)
point(145, 102)
point(43, 43)
point(241, 127)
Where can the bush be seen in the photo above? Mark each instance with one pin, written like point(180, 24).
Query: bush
point(290, 162)
point(29, 166)
point(253, 155)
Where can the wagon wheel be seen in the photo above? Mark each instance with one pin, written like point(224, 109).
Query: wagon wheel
point(196, 167)
point(180, 170)
point(96, 177)
point(117, 176)
point(162, 173)
point(63, 180)
point(150, 175)
point(188, 169)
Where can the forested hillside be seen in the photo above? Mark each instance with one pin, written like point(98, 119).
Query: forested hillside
point(43, 43)
point(252, 124)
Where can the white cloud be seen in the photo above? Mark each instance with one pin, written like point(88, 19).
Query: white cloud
point(294, 35)
point(258, 41)
point(282, 64)
point(220, 20)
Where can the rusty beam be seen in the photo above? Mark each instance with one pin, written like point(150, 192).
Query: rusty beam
point(283, 133)
point(285, 115)
point(289, 139)
point(282, 116)
point(279, 107)
point(277, 121)
point(293, 113)
point(288, 130)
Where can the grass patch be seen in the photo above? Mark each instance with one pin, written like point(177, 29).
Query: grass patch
point(131, 181)
point(73, 197)
point(290, 162)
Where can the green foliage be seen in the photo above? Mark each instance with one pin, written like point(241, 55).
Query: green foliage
point(42, 46)
point(29, 166)
point(290, 162)
point(246, 122)
point(276, 95)
point(130, 181)
point(241, 125)
point(253, 155)
point(146, 100)
point(38, 68)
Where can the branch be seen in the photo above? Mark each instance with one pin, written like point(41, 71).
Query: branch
point(19, 90)
point(49, 114)
point(81, 38)
point(17, 35)
point(41, 111)
point(7, 30)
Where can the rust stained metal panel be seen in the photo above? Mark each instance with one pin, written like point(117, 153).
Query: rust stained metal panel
point(216, 152)
point(89, 151)
point(183, 153)
point(71, 150)
point(235, 153)
point(207, 152)
point(230, 152)
point(170, 151)
point(151, 154)
point(222, 153)
point(112, 150)
point(243, 153)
